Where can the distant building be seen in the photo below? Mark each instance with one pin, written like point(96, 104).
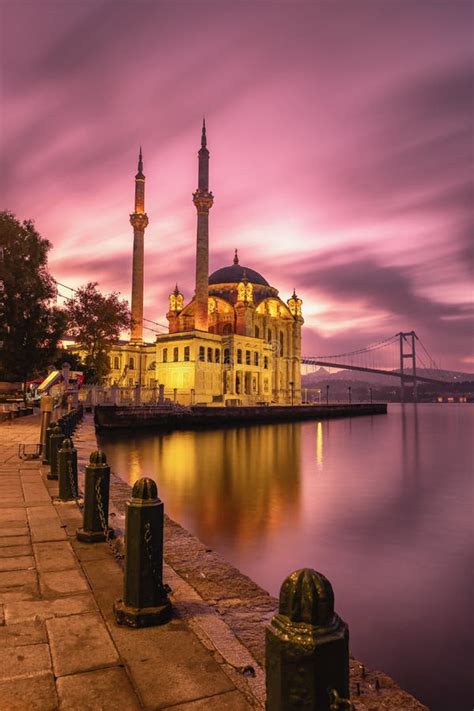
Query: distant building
point(235, 342)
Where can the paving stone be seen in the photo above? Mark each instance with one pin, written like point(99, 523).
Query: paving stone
point(22, 562)
point(12, 515)
point(24, 661)
point(80, 643)
point(24, 611)
point(230, 701)
point(37, 693)
point(18, 585)
point(42, 515)
point(53, 532)
point(187, 670)
point(8, 541)
point(104, 690)
point(62, 582)
point(54, 556)
point(13, 551)
point(11, 531)
point(21, 634)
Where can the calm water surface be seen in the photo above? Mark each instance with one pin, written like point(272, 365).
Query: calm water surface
point(381, 505)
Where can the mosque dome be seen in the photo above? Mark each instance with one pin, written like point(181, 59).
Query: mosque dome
point(235, 273)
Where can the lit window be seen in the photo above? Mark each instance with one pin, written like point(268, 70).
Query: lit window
point(175, 354)
point(116, 363)
point(255, 358)
point(265, 362)
point(186, 352)
point(202, 353)
point(209, 355)
point(239, 356)
point(165, 355)
point(131, 363)
point(217, 355)
point(248, 358)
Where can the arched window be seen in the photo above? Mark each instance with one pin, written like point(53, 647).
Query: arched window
point(202, 353)
point(186, 353)
point(248, 358)
point(227, 329)
point(165, 355)
point(131, 363)
point(257, 332)
point(239, 356)
point(209, 355)
point(281, 343)
point(175, 354)
point(226, 355)
point(117, 363)
point(217, 355)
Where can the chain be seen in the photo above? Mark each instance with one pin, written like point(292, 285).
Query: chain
point(337, 702)
point(149, 551)
point(72, 484)
point(100, 508)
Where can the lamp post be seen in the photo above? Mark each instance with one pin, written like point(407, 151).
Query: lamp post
point(350, 395)
point(327, 394)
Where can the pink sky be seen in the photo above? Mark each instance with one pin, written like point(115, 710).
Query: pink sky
point(341, 152)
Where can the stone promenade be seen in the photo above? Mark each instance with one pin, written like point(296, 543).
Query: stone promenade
point(60, 647)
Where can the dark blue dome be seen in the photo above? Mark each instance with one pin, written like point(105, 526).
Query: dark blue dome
point(234, 274)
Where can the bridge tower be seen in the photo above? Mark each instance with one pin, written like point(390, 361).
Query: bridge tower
point(408, 351)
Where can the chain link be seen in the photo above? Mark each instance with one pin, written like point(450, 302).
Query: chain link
point(337, 702)
point(149, 551)
point(74, 492)
point(105, 527)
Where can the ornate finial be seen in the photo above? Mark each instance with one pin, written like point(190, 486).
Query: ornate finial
point(98, 457)
point(145, 490)
point(176, 290)
point(236, 257)
point(294, 296)
point(140, 164)
point(203, 134)
point(307, 596)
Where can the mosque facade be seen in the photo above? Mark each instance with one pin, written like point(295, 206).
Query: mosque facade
point(236, 342)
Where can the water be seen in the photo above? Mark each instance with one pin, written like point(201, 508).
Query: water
point(381, 505)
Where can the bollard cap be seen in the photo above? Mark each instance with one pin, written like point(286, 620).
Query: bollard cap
point(307, 596)
point(145, 490)
point(98, 457)
point(57, 429)
point(67, 444)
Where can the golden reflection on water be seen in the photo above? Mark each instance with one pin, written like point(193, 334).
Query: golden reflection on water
point(319, 445)
point(245, 480)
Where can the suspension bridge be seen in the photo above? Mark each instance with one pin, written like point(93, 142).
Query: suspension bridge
point(401, 356)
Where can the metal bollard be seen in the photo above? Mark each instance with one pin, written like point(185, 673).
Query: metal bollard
point(67, 471)
point(55, 442)
point(96, 501)
point(145, 599)
point(46, 451)
point(307, 647)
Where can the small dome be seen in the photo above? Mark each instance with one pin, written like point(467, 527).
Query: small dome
point(307, 596)
point(234, 274)
point(145, 490)
point(98, 457)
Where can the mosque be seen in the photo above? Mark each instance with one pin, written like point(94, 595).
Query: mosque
point(235, 343)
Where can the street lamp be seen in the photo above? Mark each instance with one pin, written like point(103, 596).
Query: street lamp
point(327, 394)
point(350, 395)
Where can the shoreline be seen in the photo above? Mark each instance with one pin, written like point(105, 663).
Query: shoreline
point(116, 417)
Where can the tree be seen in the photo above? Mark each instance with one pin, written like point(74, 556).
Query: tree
point(95, 322)
point(30, 323)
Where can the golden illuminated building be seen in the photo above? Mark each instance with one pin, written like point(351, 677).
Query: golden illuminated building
point(235, 342)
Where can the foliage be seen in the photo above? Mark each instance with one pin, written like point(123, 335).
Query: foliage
point(95, 322)
point(30, 324)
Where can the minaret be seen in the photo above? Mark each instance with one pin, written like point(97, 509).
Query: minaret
point(203, 200)
point(138, 220)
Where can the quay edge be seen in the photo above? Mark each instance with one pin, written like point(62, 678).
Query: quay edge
point(110, 417)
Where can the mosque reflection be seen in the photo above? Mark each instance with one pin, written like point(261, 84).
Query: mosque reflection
point(239, 483)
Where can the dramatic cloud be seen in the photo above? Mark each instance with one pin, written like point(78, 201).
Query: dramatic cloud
point(341, 151)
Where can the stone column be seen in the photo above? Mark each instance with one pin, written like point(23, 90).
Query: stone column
point(139, 223)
